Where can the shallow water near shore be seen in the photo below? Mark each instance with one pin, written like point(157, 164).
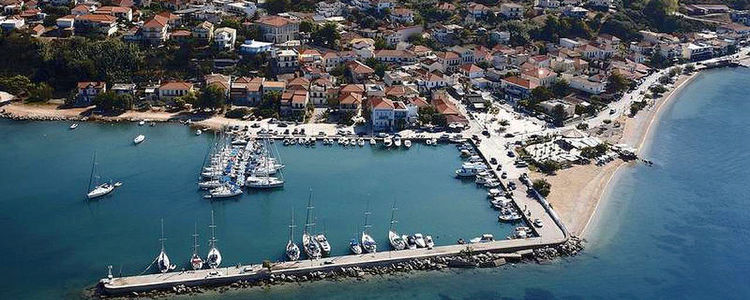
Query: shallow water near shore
point(678, 229)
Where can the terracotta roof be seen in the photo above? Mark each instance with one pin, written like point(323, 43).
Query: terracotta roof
point(449, 55)
point(180, 33)
point(97, 18)
point(380, 103)
point(95, 84)
point(520, 82)
point(156, 22)
point(352, 88)
point(350, 98)
point(470, 68)
point(359, 68)
point(176, 85)
point(274, 21)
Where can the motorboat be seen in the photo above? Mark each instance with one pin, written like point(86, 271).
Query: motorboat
point(214, 256)
point(434, 141)
point(355, 247)
point(361, 142)
point(500, 203)
point(466, 172)
point(492, 184)
point(419, 239)
point(522, 232)
point(508, 217)
point(195, 260)
point(494, 193)
point(198, 132)
point(428, 241)
point(265, 182)
point(141, 123)
point(485, 238)
point(368, 243)
point(373, 142)
point(387, 142)
point(139, 139)
point(428, 142)
point(73, 126)
point(397, 142)
point(325, 247)
point(407, 144)
point(411, 243)
point(480, 180)
point(465, 153)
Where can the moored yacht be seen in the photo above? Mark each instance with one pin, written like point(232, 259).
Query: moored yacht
point(355, 247)
point(397, 142)
point(428, 241)
point(162, 261)
point(394, 238)
point(195, 260)
point(309, 244)
point(214, 256)
point(139, 139)
point(325, 247)
point(407, 144)
point(100, 189)
point(419, 240)
point(73, 126)
point(368, 243)
point(292, 250)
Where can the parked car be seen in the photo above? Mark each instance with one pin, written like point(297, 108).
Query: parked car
point(511, 154)
point(538, 223)
point(493, 161)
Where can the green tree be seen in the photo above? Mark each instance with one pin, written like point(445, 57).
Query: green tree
point(558, 115)
point(541, 94)
point(542, 186)
point(40, 93)
point(276, 6)
point(560, 88)
point(326, 36)
point(213, 96)
point(306, 26)
point(618, 83)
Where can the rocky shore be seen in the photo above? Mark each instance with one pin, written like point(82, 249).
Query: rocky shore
point(467, 259)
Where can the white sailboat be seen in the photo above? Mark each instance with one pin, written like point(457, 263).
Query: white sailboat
point(393, 237)
point(368, 243)
point(196, 261)
point(292, 250)
point(162, 261)
point(312, 249)
point(214, 256)
point(99, 189)
point(261, 178)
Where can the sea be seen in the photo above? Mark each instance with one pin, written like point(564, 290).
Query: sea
point(674, 230)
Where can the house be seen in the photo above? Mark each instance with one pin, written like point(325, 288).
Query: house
point(430, 81)
point(549, 107)
point(294, 101)
point(97, 23)
point(321, 90)
point(154, 31)
point(180, 35)
point(402, 15)
point(382, 114)
point(204, 31)
point(277, 29)
point(396, 78)
point(511, 10)
point(274, 87)
point(122, 13)
point(575, 12)
point(448, 60)
point(600, 3)
point(241, 8)
point(550, 4)
point(225, 37)
point(329, 8)
point(170, 90)
point(285, 61)
point(394, 56)
point(253, 47)
point(472, 71)
point(517, 88)
point(246, 91)
point(123, 88)
point(595, 84)
point(359, 71)
point(363, 48)
point(478, 10)
point(350, 102)
point(539, 76)
point(66, 22)
point(88, 90)
point(697, 51)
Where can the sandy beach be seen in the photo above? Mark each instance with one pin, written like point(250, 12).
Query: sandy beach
point(577, 192)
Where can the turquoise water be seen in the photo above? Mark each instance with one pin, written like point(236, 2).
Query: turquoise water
point(676, 230)
point(57, 243)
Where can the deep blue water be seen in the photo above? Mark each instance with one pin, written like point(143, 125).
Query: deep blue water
point(676, 230)
point(56, 243)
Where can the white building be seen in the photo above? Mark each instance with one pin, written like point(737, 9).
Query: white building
point(255, 47)
point(242, 8)
point(225, 37)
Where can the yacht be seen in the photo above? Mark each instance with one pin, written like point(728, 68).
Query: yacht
point(141, 123)
point(355, 247)
point(227, 190)
point(74, 126)
point(428, 142)
point(407, 144)
point(419, 239)
point(429, 242)
point(373, 142)
point(396, 241)
point(210, 184)
point(196, 261)
point(397, 142)
point(466, 172)
point(325, 247)
point(361, 142)
point(387, 142)
point(292, 250)
point(263, 182)
point(162, 261)
point(99, 189)
point(311, 247)
point(214, 256)
point(198, 132)
point(494, 193)
point(434, 141)
point(139, 139)
point(508, 217)
point(368, 243)
point(411, 243)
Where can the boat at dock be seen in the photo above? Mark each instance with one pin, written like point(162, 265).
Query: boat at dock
point(162, 260)
point(394, 238)
point(368, 243)
point(322, 241)
point(141, 123)
point(355, 247)
point(139, 139)
point(198, 132)
point(292, 250)
point(309, 244)
point(397, 142)
point(411, 242)
point(226, 190)
point(387, 141)
point(196, 261)
point(429, 242)
point(407, 144)
point(373, 142)
point(361, 142)
point(419, 240)
point(485, 238)
point(214, 256)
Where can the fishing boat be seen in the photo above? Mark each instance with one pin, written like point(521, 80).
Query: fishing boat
point(407, 144)
point(198, 132)
point(429, 242)
point(361, 142)
point(387, 141)
point(325, 247)
point(419, 239)
point(355, 247)
point(428, 142)
point(311, 247)
point(99, 189)
point(196, 261)
point(508, 217)
point(139, 139)
point(141, 123)
point(214, 256)
point(74, 126)
point(397, 142)
point(394, 238)
point(292, 250)
point(373, 142)
point(162, 261)
point(368, 243)
point(466, 172)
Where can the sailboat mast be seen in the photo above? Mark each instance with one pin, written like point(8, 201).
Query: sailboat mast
point(195, 239)
point(162, 239)
point(291, 227)
point(213, 230)
point(393, 215)
point(309, 212)
point(91, 176)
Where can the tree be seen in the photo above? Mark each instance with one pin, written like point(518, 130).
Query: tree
point(113, 102)
point(306, 26)
point(213, 96)
point(558, 115)
point(618, 83)
point(277, 6)
point(542, 186)
point(40, 93)
point(326, 36)
point(560, 88)
point(689, 69)
point(541, 94)
point(237, 113)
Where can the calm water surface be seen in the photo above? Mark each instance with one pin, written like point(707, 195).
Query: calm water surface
point(676, 230)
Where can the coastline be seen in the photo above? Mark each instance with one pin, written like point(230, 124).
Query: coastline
point(579, 192)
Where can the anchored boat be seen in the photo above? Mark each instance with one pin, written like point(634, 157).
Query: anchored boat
point(100, 189)
point(214, 256)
